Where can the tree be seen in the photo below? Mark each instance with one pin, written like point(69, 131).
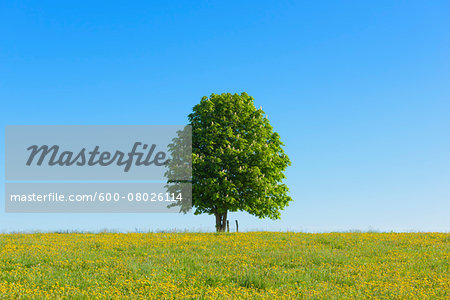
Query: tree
point(237, 159)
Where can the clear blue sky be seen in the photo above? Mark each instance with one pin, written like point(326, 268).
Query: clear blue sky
point(358, 90)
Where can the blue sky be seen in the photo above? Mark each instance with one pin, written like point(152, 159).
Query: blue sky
point(359, 92)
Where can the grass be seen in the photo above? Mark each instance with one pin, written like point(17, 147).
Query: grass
point(226, 266)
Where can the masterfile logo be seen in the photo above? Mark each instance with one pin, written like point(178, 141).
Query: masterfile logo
point(53, 156)
point(102, 168)
point(97, 152)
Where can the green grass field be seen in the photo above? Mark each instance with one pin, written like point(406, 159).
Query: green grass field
point(225, 266)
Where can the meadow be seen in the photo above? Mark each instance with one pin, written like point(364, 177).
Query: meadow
point(256, 265)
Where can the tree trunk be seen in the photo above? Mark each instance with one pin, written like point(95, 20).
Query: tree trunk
point(221, 222)
point(218, 222)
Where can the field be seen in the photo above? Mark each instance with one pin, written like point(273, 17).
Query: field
point(225, 266)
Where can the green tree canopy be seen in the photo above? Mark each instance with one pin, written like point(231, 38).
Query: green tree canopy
point(237, 159)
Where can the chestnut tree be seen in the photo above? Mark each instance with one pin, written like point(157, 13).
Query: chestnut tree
point(237, 159)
